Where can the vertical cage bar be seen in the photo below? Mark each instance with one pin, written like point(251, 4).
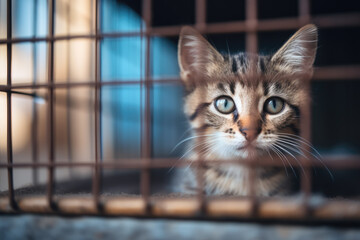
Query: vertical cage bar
point(252, 187)
point(9, 109)
point(97, 170)
point(68, 96)
point(306, 161)
point(51, 119)
point(304, 17)
point(199, 170)
point(200, 178)
point(304, 11)
point(200, 14)
point(251, 23)
point(146, 137)
point(34, 129)
point(252, 47)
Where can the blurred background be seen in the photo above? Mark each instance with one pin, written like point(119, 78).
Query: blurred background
point(335, 87)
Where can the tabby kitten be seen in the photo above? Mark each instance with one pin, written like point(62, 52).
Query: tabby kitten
point(244, 105)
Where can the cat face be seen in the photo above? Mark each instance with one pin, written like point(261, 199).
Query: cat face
point(245, 104)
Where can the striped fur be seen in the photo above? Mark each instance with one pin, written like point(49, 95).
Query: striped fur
point(249, 80)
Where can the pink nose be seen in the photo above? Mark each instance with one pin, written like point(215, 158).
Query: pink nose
point(249, 133)
point(250, 127)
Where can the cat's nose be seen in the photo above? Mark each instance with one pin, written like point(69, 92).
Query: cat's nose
point(250, 128)
point(249, 134)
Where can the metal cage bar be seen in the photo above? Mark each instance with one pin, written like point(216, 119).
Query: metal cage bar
point(146, 143)
point(334, 162)
point(251, 23)
point(305, 184)
point(200, 23)
point(292, 23)
point(34, 130)
point(9, 110)
point(97, 169)
point(51, 119)
point(251, 46)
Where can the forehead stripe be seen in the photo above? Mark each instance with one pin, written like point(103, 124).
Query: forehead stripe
point(221, 87)
point(234, 67)
point(242, 62)
point(266, 88)
point(232, 87)
point(262, 64)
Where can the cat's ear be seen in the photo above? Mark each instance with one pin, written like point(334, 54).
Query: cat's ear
point(297, 55)
point(196, 56)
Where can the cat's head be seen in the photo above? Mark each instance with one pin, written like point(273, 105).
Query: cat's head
point(245, 103)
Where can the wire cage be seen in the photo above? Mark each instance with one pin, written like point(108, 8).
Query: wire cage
point(250, 25)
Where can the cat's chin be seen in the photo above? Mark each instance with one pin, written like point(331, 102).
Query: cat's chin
point(226, 151)
point(249, 151)
point(243, 153)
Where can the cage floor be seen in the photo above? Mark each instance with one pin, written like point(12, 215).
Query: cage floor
point(43, 227)
point(121, 196)
point(128, 183)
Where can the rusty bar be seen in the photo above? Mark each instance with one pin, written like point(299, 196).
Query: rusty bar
point(70, 37)
point(97, 168)
point(306, 161)
point(252, 191)
point(6, 88)
point(141, 83)
point(200, 178)
point(68, 98)
point(200, 13)
point(292, 23)
point(200, 23)
point(198, 168)
point(146, 130)
point(251, 11)
point(304, 12)
point(251, 46)
point(337, 20)
point(12, 201)
point(304, 18)
point(51, 119)
point(347, 72)
point(239, 208)
point(147, 14)
point(34, 129)
point(251, 24)
point(332, 162)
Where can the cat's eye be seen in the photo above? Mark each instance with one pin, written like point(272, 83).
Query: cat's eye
point(224, 104)
point(274, 105)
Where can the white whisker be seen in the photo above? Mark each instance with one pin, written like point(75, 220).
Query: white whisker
point(189, 138)
point(296, 141)
point(284, 148)
point(277, 153)
point(287, 160)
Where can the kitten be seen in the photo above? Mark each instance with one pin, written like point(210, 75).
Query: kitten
point(244, 105)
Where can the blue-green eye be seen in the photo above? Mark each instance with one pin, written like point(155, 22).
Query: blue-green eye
point(224, 104)
point(274, 105)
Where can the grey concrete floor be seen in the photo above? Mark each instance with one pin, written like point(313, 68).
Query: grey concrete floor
point(75, 228)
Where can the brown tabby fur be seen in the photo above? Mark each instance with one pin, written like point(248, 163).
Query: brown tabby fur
point(249, 80)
